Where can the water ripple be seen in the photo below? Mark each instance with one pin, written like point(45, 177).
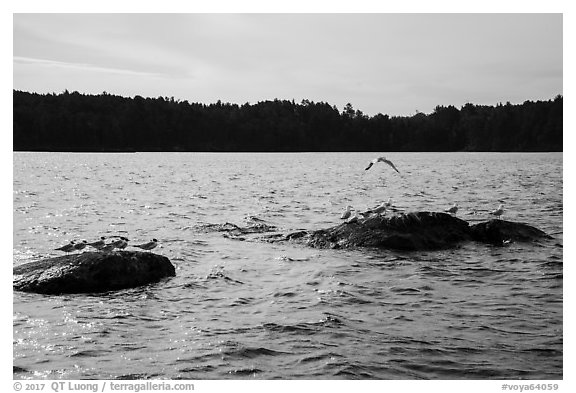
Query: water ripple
point(249, 309)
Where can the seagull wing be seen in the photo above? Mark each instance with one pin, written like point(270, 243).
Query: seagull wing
point(391, 164)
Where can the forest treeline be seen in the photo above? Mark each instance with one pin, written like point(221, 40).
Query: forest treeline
point(105, 122)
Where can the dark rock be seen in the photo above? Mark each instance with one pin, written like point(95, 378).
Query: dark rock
point(499, 231)
point(17, 370)
point(413, 231)
point(91, 272)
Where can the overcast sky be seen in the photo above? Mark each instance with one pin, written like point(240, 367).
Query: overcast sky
point(394, 64)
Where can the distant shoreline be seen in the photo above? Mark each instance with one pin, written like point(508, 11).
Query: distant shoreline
point(74, 122)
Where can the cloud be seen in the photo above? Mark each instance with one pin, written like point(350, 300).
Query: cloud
point(390, 63)
point(88, 68)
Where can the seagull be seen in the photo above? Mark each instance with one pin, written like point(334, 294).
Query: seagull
point(107, 248)
point(377, 210)
point(99, 244)
point(80, 246)
point(124, 243)
point(453, 209)
point(389, 203)
point(347, 213)
point(380, 209)
point(498, 212)
point(381, 159)
point(67, 248)
point(352, 219)
point(147, 246)
point(120, 243)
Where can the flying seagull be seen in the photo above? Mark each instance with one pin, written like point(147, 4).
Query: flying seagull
point(147, 246)
point(498, 212)
point(381, 159)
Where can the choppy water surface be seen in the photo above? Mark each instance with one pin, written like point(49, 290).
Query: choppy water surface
point(245, 309)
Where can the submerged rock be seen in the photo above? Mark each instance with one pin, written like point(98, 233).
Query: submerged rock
point(91, 272)
point(413, 231)
point(236, 232)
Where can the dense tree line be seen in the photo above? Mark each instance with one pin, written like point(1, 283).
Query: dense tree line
point(105, 122)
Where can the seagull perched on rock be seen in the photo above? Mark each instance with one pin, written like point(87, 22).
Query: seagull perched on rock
point(453, 209)
point(380, 209)
point(381, 159)
point(352, 219)
point(389, 202)
point(347, 213)
point(98, 244)
point(67, 248)
point(81, 245)
point(107, 248)
point(124, 243)
point(120, 243)
point(148, 246)
point(498, 212)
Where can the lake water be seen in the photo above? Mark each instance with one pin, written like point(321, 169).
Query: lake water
point(255, 310)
